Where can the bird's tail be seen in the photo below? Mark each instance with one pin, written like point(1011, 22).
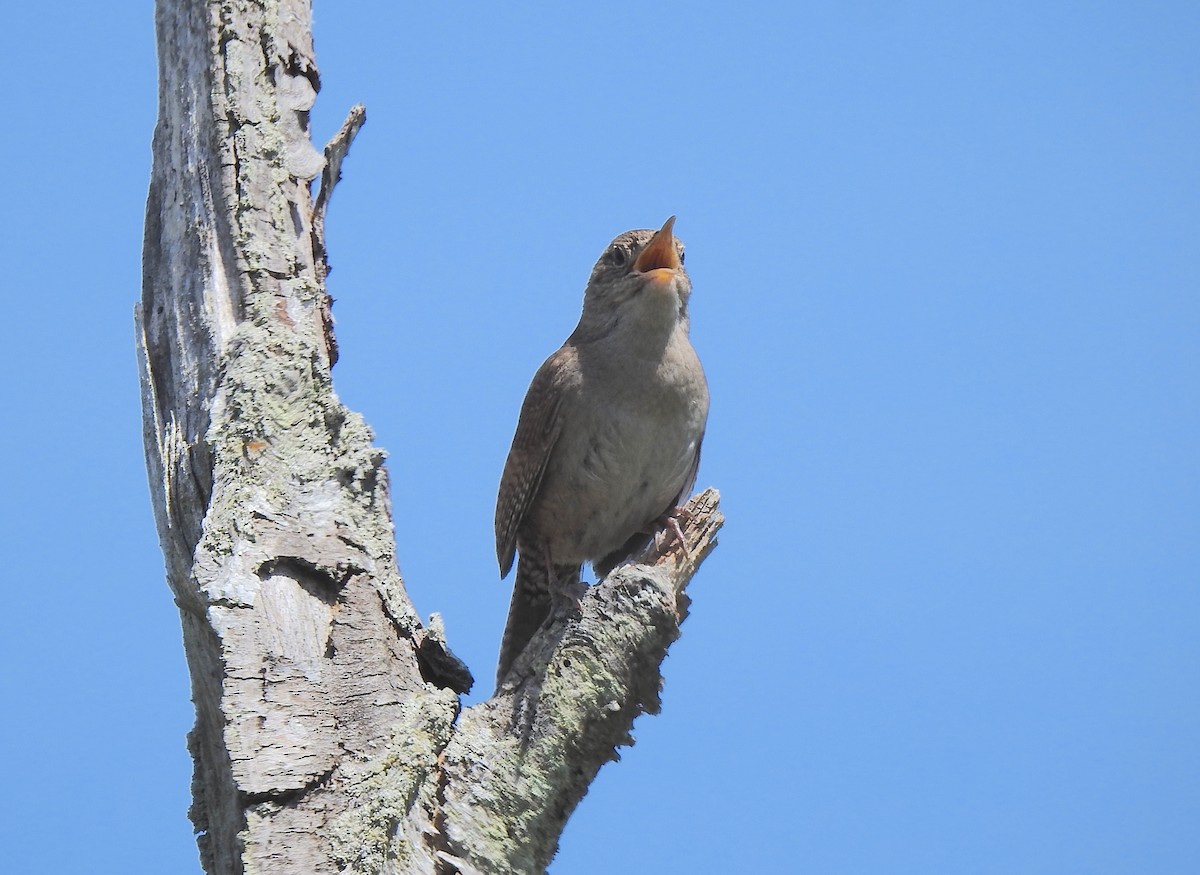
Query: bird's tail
point(532, 598)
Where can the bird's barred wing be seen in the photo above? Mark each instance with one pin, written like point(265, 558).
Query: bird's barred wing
point(538, 429)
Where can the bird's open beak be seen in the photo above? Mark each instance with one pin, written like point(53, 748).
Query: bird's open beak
point(659, 260)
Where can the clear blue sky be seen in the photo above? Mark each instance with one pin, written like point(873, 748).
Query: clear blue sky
point(946, 260)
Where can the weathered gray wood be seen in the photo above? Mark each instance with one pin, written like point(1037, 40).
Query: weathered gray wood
point(525, 757)
point(328, 734)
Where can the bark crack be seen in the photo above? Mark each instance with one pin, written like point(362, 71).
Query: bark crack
point(287, 796)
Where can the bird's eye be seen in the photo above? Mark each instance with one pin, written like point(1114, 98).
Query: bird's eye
point(682, 257)
point(616, 256)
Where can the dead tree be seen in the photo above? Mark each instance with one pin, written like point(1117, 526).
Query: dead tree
point(329, 732)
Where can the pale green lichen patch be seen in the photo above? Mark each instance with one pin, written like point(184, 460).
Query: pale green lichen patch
point(400, 780)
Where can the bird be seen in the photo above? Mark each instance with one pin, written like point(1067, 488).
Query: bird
point(607, 443)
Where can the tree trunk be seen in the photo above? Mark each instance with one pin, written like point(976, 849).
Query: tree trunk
point(329, 733)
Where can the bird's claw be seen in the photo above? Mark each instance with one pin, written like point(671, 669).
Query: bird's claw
point(669, 521)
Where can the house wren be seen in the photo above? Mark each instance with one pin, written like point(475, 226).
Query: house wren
point(608, 440)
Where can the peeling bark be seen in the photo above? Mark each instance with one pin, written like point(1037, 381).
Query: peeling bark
point(329, 733)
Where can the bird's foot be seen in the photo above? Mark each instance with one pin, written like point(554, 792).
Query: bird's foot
point(669, 522)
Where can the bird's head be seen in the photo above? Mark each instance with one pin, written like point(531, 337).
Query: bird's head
point(640, 275)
